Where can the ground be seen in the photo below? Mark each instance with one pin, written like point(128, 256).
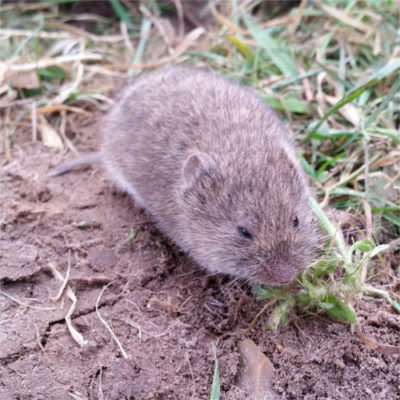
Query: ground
point(165, 311)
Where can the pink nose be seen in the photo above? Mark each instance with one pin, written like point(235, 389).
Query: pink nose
point(285, 273)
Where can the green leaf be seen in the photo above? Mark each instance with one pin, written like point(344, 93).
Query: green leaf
point(289, 103)
point(378, 249)
point(263, 294)
point(280, 314)
point(51, 73)
point(335, 307)
point(324, 267)
point(215, 388)
point(304, 299)
point(363, 245)
point(32, 92)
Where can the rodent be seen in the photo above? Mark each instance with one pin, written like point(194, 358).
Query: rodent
point(216, 169)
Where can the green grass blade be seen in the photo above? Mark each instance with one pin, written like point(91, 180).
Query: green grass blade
point(144, 31)
point(131, 236)
point(386, 70)
point(242, 47)
point(30, 36)
point(384, 294)
point(373, 79)
point(395, 136)
point(393, 218)
point(291, 104)
point(328, 163)
point(369, 196)
point(329, 228)
point(308, 168)
point(215, 388)
point(278, 54)
point(350, 97)
point(383, 104)
point(294, 79)
point(338, 309)
point(121, 12)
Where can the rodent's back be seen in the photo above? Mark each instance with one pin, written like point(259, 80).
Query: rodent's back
point(195, 104)
point(165, 114)
point(204, 155)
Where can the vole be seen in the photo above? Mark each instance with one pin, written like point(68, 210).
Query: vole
point(216, 169)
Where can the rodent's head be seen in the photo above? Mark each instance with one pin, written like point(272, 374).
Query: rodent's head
point(248, 217)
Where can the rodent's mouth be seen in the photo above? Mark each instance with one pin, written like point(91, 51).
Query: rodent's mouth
point(280, 275)
point(277, 284)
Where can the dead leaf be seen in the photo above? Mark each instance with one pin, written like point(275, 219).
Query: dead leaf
point(342, 16)
point(297, 17)
point(376, 346)
point(348, 111)
point(50, 137)
point(25, 80)
point(60, 107)
point(189, 39)
point(4, 73)
point(308, 94)
point(226, 22)
point(258, 372)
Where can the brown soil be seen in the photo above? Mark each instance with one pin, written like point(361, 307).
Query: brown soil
point(165, 312)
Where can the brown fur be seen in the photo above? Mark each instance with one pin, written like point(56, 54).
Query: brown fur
point(205, 156)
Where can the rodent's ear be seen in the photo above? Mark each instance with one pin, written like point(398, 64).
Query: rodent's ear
point(197, 165)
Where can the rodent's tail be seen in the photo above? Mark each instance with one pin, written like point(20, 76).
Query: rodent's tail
point(82, 161)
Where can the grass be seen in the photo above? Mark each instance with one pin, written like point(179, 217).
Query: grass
point(330, 68)
point(215, 388)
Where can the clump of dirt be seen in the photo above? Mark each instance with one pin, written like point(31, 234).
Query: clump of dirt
point(165, 312)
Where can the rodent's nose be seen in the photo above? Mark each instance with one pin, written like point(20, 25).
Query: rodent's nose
point(285, 273)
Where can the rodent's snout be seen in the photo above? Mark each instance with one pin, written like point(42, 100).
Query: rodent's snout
point(282, 274)
point(287, 274)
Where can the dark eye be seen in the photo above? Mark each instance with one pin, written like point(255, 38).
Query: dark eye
point(244, 232)
point(295, 221)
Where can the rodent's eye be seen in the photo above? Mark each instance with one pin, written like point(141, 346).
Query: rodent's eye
point(244, 232)
point(296, 221)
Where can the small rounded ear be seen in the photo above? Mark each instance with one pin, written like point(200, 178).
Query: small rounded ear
point(195, 166)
